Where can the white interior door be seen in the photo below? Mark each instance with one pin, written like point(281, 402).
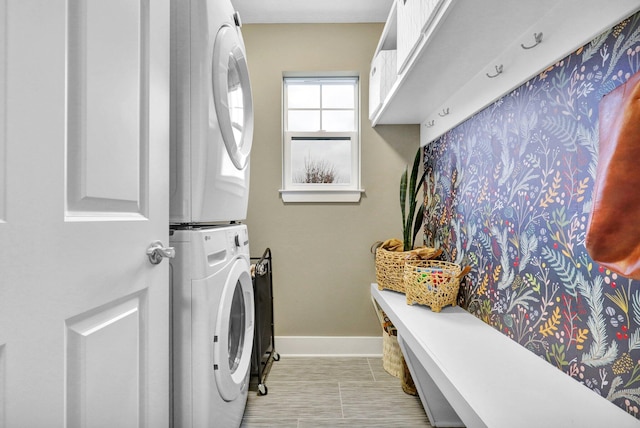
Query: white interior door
point(84, 120)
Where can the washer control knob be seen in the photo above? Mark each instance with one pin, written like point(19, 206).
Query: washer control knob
point(236, 19)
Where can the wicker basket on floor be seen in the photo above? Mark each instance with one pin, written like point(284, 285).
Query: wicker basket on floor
point(390, 268)
point(432, 282)
point(391, 355)
point(408, 385)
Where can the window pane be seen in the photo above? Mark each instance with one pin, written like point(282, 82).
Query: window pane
point(303, 120)
point(338, 120)
point(303, 95)
point(338, 96)
point(321, 161)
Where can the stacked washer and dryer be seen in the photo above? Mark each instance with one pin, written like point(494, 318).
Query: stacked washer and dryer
point(212, 292)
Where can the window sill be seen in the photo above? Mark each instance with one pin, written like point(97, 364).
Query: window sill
point(321, 195)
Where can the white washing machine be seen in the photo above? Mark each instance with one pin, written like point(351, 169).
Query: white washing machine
point(212, 325)
point(211, 114)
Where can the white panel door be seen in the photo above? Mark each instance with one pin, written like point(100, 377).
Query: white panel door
point(84, 129)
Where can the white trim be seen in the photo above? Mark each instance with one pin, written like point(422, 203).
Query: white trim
point(329, 346)
point(320, 74)
point(321, 195)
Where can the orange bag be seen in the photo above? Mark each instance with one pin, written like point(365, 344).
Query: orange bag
point(613, 232)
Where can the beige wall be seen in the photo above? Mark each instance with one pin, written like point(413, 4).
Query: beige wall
point(322, 263)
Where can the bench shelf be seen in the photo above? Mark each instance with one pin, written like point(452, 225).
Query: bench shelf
point(469, 374)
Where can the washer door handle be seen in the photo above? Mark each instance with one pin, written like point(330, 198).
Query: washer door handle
point(157, 251)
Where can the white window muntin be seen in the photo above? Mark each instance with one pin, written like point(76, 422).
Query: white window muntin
point(315, 97)
point(318, 100)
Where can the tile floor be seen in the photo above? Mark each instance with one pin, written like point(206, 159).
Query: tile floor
point(332, 392)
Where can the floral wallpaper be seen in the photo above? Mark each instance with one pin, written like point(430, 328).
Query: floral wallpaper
point(509, 192)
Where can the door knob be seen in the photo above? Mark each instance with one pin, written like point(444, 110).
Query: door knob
point(157, 251)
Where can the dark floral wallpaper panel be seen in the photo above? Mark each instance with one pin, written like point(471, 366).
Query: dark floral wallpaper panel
point(509, 192)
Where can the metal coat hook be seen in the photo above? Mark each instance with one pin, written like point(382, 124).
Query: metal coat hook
point(430, 124)
point(444, 112)
point(538, 39)
point(498, 72)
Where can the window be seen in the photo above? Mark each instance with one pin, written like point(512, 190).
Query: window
point(321, 144)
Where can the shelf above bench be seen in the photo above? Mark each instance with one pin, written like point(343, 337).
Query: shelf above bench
point(462, 55)
point(463, 366)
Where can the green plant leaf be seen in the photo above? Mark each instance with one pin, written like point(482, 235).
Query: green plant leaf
point(419, 186)
point(412, 186)
point(409, 188)
point(417, 226)
point(403, 195)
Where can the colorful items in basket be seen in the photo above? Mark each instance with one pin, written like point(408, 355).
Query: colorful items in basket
point(433, 283)
point(390, 260)
point(437, 276)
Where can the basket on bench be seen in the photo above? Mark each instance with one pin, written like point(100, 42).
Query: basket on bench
point(390, 266)
point(433, 283)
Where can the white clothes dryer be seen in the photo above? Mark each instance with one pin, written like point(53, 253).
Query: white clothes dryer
point(212, 326)
point(211, 114)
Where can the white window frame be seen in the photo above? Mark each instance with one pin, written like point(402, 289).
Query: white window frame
point(320, 192)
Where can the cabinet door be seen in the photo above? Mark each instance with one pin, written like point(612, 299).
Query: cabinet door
point(409, 29)
point(381, 79)
point(375, 89)
point(427, 11)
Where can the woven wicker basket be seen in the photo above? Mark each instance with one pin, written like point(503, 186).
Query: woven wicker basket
point(408, 385)
point(391, 355)
point(393, 361)
point(390, 268)
point(432, 282)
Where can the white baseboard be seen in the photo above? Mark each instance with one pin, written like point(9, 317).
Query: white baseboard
point(329, 346)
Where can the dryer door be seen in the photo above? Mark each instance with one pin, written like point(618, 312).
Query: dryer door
point(232, 94)
point(233, 339)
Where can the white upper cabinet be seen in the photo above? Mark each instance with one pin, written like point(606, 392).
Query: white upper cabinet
point(384, 70)
point(382, 77)
point(408, 14)
point(413, 17)
point(455, 57)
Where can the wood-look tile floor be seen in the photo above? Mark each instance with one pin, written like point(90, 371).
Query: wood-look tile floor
point(332, 392)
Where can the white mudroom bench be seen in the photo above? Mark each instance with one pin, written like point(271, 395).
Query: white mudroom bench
point(469, 374)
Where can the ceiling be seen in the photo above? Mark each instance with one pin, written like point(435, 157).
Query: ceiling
point(312, 11)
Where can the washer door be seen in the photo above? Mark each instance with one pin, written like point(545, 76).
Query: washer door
point(232, 95)
point(233, 340)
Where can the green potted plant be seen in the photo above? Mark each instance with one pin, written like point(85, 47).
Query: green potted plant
point(411, 221)
point(390, 258)
point(392, 253)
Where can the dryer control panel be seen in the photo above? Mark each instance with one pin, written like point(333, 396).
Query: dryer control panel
point(208, 248)
point(238, 241)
